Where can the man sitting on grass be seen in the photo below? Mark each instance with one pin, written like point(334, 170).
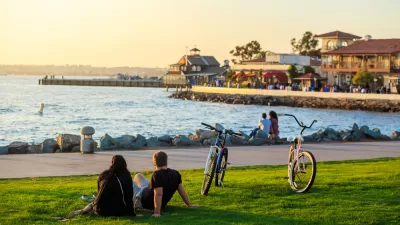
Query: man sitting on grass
point(163, 185)
point(156, 194)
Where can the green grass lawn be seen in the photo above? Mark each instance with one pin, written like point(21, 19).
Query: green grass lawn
point(350, 192)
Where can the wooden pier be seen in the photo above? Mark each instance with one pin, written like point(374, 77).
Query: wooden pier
point(105, 83)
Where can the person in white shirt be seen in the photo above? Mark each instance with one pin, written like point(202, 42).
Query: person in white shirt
point(263, 124)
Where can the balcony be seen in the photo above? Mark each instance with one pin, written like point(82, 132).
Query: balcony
point(380, 67)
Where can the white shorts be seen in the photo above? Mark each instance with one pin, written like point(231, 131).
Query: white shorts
point(138, 191)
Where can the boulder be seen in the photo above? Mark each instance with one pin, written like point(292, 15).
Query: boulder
point(364, 129)
point(123, 142)
point(76, 149)
point(139, 143)
point(347, 138)
point(235, 140)
point(67, 141)
point(183, 140)
point(210, 141)
point(201, 135)
point(228, 140)
point(18, 147)
point(357, 133)
point(261, 135)
point(376, 130)
point(3, 150)
point(106, 143)
point(372, 134)
point(49, 146)
point(153, 142)
point(395, 135)
point(34, 149)
point(244, 135)
point(165, 139)
point(258, 141)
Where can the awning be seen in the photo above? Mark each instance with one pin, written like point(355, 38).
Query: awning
point(279, 75)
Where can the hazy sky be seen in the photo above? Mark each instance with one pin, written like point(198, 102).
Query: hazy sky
point(156, 32)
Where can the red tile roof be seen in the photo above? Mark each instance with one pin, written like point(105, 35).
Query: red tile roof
point(374, 46)
point(338, 34)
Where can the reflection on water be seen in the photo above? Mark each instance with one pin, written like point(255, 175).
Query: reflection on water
point(148, 111)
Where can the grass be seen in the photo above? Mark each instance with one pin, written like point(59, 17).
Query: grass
point(349, 192)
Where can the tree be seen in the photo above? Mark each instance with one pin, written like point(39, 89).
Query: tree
point(293, 73)
point(307, 45)
point(363, 77)
point(240, 77)
point(229, 75)
point(249, 51)
point(308, 69)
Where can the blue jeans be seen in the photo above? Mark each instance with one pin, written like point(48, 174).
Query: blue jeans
point(254, 132)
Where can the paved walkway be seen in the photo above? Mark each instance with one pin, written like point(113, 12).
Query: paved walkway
point(64, 164)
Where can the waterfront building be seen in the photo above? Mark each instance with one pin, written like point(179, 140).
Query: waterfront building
point(378, 56)
point(196, 69)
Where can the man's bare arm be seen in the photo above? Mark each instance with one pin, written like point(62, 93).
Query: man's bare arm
point(158, 193)
point(184, 196)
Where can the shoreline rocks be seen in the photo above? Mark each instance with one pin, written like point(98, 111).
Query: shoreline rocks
point(305, 102)
point(71, 143)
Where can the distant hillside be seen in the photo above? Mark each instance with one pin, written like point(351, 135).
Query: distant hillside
point(80, 70)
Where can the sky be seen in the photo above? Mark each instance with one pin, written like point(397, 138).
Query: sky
point(155, 33)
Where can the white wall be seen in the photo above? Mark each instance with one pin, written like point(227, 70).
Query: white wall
point(288, 59)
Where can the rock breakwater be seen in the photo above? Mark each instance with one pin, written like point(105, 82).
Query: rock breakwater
point(305, 102)
point(71, 143)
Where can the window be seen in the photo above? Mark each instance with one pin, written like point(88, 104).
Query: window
point(344, 43)
point(193, 68)
point(198, 68)
point(330, 45)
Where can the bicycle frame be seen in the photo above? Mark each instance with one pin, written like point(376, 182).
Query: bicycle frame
point(215, 150)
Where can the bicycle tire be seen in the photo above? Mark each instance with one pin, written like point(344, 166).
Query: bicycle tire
point(294, 173)
point(205, 187)
point(219, 177)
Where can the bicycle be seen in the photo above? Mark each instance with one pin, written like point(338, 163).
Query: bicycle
point(299, 161)
point(217, 159)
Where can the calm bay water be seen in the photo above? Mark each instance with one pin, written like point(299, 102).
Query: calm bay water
point(146, 111)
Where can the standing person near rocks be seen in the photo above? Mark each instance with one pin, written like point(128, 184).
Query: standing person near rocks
point(274, 130)
point(264, 124)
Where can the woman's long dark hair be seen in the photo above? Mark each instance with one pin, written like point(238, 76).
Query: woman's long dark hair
point(118, 166)
point(273, 114)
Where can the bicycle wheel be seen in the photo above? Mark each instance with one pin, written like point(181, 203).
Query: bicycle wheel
point(208, 177)
point(302, 172)
point(224, 162)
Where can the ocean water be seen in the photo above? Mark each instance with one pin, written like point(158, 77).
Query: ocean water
point(147, 111)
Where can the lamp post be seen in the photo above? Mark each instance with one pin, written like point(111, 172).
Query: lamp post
point(375, 80)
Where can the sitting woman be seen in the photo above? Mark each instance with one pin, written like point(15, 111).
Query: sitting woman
point(114, 192)
point(274, 130)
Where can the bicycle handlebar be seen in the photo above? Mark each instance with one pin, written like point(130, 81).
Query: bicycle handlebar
point(301, 124)
point(220, 131)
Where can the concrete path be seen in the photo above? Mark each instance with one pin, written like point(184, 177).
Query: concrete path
point(40, 165)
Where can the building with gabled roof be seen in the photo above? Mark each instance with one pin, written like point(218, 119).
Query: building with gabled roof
point(196, 68)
